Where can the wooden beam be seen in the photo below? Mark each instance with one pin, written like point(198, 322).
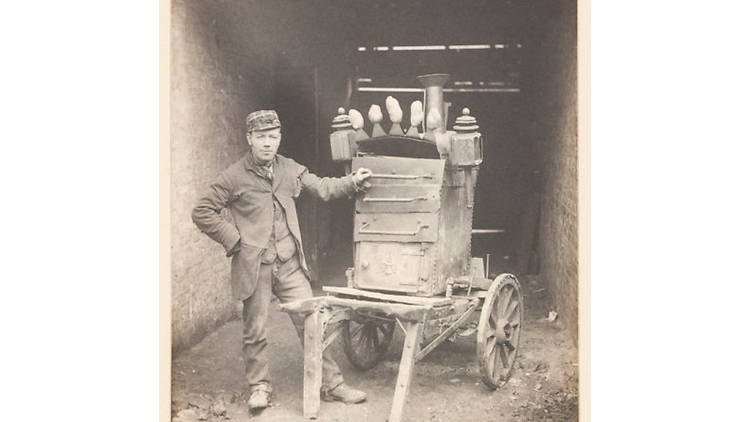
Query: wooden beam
point(481, 283)
point(398, 310)
point(303, 306)
point(448, 331)
point(403, 311)
point(313, 372)
point(412, 300)
point(406, 368)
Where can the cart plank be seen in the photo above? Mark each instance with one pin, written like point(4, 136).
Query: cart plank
point(398, 310)
point(412, 300)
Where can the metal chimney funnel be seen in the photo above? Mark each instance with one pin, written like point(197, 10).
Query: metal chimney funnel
point(433, 88)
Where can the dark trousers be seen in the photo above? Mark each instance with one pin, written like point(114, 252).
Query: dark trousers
point(288, 282)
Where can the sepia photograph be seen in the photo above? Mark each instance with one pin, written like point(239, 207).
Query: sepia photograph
point(374, 210)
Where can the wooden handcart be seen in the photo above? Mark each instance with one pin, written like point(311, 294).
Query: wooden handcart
point(412, 264)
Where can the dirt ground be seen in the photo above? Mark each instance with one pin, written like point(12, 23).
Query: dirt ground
point(208, 380)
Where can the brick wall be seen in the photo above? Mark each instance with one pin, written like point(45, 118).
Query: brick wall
point(553, 94)
point(230, 57)
point(215, 82)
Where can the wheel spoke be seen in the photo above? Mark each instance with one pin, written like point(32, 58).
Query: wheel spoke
point(489, 358)
point(362, 339)
point(491, 339)
point(369, 335)
point(491, 322)
point(512, 308)
point(368, 344)
point(489, 349)
point(499, 364)
point(384, 329)
point(496, 316)
point(502, 355)
point(513, 342)
point(504, 302)
point(357, 330)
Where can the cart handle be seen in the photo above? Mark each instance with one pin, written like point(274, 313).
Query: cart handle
point(420, 226)
point(416, 198)
point(399, 176)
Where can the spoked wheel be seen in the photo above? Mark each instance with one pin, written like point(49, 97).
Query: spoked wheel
point(366, 340)
point(499, 330)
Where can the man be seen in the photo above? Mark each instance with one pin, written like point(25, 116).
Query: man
point(265, 244)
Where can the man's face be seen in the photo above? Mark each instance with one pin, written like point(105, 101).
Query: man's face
point(264, 144)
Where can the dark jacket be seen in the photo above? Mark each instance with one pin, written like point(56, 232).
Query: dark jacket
point(249, 198)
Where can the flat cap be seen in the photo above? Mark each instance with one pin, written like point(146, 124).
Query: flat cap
point(262, 120)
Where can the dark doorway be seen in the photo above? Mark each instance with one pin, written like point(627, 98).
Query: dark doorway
point(496, 53)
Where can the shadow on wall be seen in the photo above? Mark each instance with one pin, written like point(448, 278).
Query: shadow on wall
point(213, 85)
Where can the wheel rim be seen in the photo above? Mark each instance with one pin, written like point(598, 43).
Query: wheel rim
point(366, 341)
point(499, 330)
